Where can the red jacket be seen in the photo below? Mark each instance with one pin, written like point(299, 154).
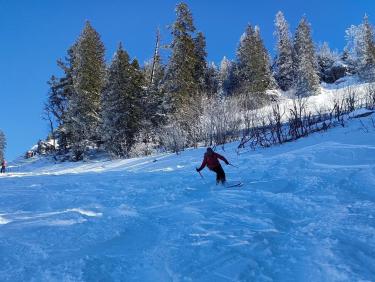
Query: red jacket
point(212, 161)
point(3, 163)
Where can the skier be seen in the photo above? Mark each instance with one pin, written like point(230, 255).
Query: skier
point(212, 162)
point(3, 165)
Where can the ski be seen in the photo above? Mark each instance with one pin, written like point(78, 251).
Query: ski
point(233, 184)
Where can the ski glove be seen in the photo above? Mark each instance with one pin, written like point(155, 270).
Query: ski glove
point(197, 169)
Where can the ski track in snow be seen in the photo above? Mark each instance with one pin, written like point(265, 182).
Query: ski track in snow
point(305, 213)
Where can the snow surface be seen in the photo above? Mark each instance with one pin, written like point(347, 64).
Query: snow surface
point(305, 213)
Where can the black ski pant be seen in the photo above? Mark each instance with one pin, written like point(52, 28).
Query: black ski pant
point(220, 174)
point(2, 169)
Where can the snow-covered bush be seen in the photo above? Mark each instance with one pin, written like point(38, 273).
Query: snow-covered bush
point(370, 97)
point(145, 144)
point(220, 121)
point(173, 137)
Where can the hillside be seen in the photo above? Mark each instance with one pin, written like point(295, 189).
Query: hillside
point(305, 213)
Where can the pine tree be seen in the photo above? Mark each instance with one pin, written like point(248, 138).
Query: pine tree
point(180, 82)
point(57, 100)
point(3, 144)
point(154, 69)
point(253, 67)
point(211, 80)
point(183, 80)
point(121, 105)
point(157, 72)
point(88, 74)
point(200, 57)
point(307, 80)
point(284, 73)
point(154, 101)
point(61, 90)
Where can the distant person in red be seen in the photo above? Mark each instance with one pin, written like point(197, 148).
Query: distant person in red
point(3, 166)
point(211, 160)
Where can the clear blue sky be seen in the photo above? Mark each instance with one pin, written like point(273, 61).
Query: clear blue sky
point(35, 33)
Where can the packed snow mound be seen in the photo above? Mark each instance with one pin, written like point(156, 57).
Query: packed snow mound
point(305, 213)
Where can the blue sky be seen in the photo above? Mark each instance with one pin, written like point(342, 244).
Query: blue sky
point(34, 34)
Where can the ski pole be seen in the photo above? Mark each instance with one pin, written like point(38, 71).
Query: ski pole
point(234, 166)
point(203, 179)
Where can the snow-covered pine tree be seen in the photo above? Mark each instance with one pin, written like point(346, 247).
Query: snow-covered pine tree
point(360, 50)
point(353, 51)
point(227, 77)
point(253, 67)
point(121, 105)
point(307, 79)
point(331, 67)
point(284, 71)
point(83, 115)
point(3, 144)
point(367, 64)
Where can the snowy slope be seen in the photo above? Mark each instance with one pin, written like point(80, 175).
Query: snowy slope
point(306, 213)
